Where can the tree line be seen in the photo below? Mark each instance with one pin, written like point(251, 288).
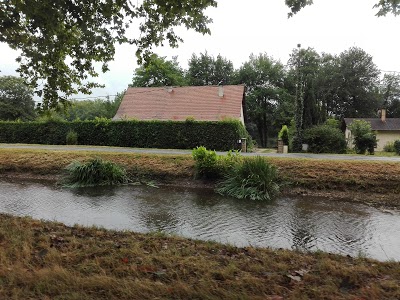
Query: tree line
point(325, 86)
point(17, 104)
point(311, 87)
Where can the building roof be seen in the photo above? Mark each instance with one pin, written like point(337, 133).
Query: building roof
point(377, 123)
point(203, 103)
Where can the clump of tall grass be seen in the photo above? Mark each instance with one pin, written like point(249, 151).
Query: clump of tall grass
point(389, 147)
point(95, 172)
point(252, 178)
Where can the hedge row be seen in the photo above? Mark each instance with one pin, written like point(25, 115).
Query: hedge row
point(143, 134)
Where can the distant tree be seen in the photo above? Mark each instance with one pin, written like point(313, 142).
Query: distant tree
point(346, 85)
point(264, 79)
point(390, 93)
point(16, 99)
point(306, 65)
point(85, 109)
point(60, 41)
point(356, 84)
point(159, 72)
point(116, 103)
point(207, 70)
point(329, 78)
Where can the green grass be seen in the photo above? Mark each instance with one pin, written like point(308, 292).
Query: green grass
point(252, 178)
point(95, 172)
point(47, 260)
point(386, 154)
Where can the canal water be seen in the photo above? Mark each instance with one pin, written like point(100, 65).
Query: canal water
point(304, 223)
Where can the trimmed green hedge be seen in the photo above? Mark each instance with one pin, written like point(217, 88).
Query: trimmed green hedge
point(143, 134)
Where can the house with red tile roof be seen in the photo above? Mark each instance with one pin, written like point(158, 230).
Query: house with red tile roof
point(200, 103)
point(387, 129)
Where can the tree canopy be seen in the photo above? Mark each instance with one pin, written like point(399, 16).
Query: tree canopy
point(390, 91)
point(159, 71)
point(61, 40)
point(264, 79)
point(16, 99)
point(207, 70)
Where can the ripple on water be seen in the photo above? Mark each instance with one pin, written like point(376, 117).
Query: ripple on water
point(297, 223)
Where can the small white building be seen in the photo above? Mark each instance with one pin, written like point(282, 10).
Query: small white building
point(387, 129)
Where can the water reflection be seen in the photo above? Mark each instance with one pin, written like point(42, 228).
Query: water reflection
point(297, 223)
point(94, 191)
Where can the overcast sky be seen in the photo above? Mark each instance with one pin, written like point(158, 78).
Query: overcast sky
point(257, 26)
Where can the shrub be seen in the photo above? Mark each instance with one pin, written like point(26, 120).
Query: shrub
point(397, 146)
point(94, 172)
point(333, 123)
point(366, 142)
point(206, 163)
point(297, 142)
point(389, 147)
point(325, 139)
point(209, 165)
point(227, 162)
point(284, 135)
point(72, 138)
point(252, 178)
point(364, 137)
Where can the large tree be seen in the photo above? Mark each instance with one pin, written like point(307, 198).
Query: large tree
point(159, 72)
point(390, 92)
point(207, 70)
point(384, 6)
point(16, 99)
point(60, 40)
point(356, 84)
point(305, 72)
point(339, 86)
point(264, 79)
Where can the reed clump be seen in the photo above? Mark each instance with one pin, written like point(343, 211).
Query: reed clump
point(251, 178)
point(95, 172)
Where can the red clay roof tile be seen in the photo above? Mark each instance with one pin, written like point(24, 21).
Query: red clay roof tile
point(202, 103)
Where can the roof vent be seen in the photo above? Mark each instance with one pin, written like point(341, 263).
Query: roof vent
point(170, 89)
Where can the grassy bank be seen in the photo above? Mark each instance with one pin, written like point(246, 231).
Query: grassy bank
point(377, 183)
point(44, 260)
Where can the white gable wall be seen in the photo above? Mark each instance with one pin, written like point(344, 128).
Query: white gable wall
point(385, 137)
